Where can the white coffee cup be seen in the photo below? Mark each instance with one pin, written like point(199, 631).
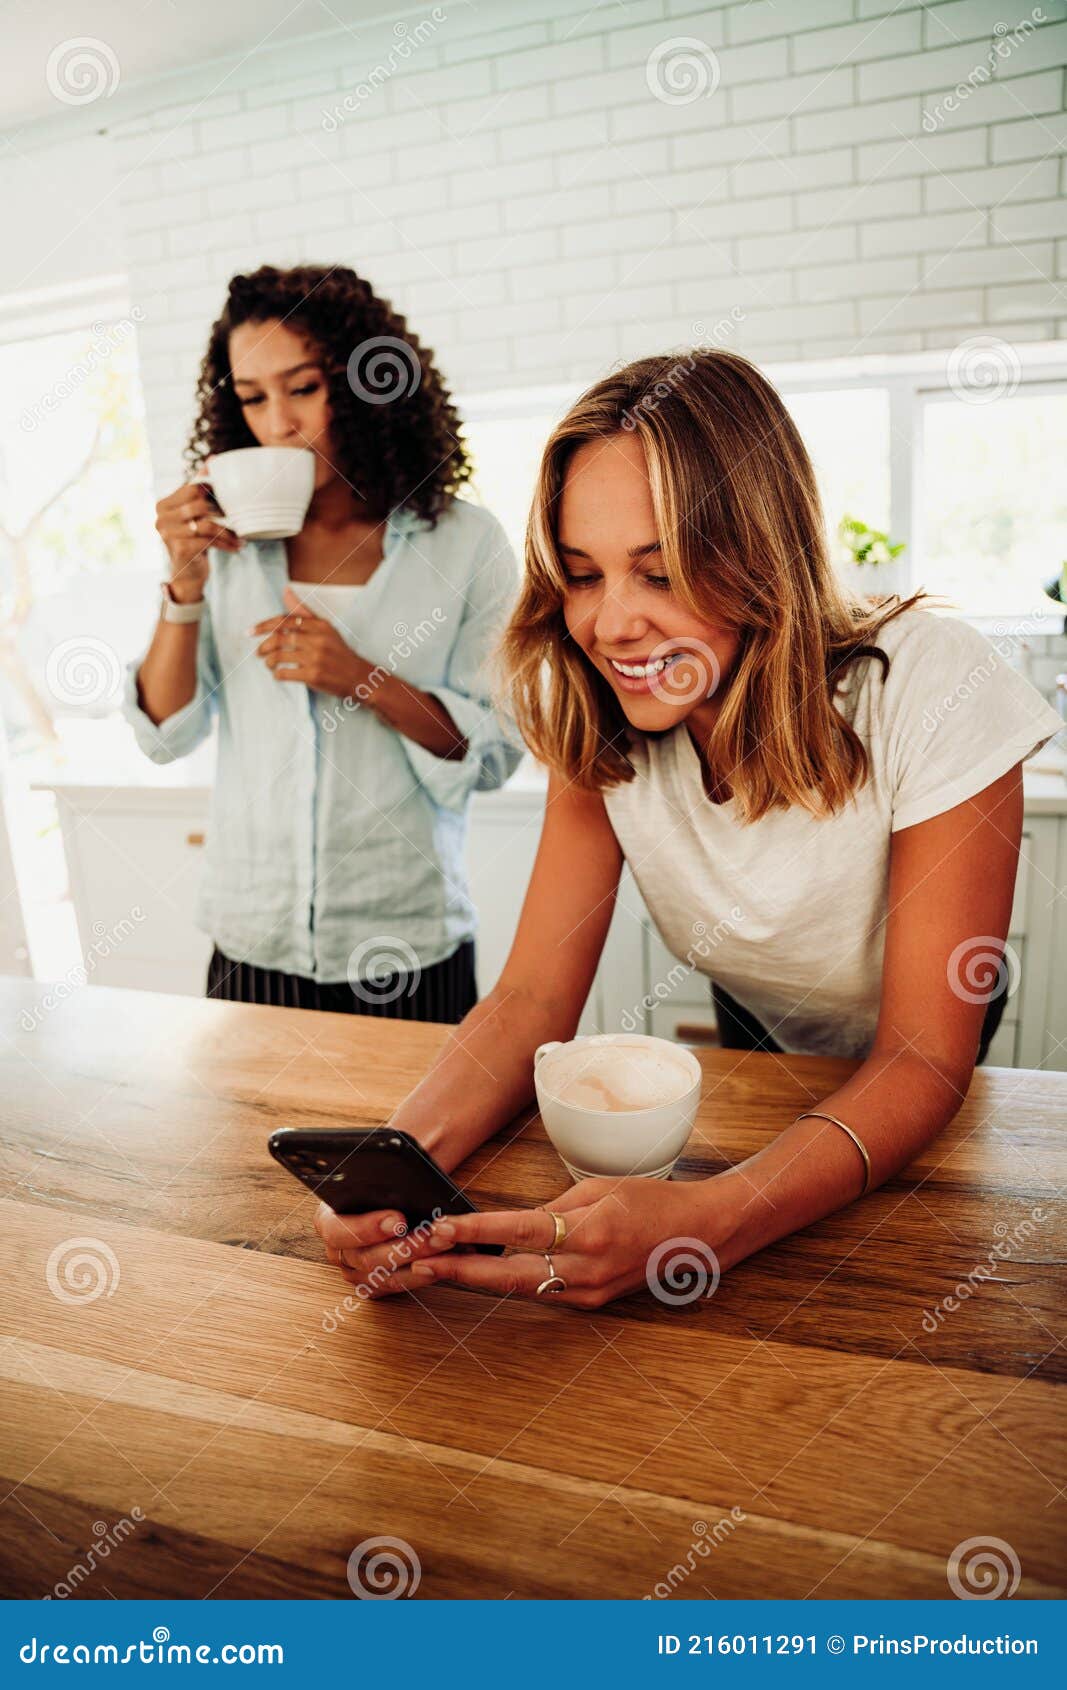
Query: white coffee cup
point(608, 1142)
point(264, 491)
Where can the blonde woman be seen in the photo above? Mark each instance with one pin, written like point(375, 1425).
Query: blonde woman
point(834, 791)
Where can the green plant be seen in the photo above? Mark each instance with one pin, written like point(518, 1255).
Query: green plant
point(866, 545)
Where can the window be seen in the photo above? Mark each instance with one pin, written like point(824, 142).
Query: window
point(994, 498)
point(506, 448)
point(76, 539)
point(76, 518)
point(971, 483)
point(846, 432)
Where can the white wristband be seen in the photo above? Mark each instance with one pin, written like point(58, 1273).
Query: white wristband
point(172, 611)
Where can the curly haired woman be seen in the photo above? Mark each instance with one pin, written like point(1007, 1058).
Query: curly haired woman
point(345, 665)
point(833, 789)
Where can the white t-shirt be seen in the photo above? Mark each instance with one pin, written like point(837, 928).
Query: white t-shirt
point(787, 913)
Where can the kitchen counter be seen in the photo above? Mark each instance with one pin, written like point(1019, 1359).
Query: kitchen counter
point(1044, 788)
point(1044, 792)
point(134, 851)
point(842, 1413)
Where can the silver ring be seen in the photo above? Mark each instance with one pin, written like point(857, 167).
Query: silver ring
point(193, 528)
point(553, 1285)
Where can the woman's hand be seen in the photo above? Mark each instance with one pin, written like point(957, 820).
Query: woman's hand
point(370, 1248)
point(188, 524)
point(301, 646)
point(623, 1235)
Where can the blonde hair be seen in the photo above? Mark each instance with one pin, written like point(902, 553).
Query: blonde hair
point(743, 545)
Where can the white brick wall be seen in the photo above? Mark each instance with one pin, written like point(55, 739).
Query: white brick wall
point(516, 187)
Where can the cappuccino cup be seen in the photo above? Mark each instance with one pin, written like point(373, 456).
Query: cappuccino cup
point(264, 491)
point(617, 1103)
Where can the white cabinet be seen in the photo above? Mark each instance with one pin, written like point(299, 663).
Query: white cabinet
point(135, 857)
point(14, 949)
point(139, 849)
point(1033, 1033)
point(505, 829)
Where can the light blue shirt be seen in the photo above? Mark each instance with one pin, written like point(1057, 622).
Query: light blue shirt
point(335, 842)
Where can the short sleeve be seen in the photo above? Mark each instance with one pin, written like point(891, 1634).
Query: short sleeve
point(494, 747)
point(954, 717)
point(182, 732)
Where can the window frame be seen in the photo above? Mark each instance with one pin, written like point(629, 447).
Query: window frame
point(913, 381)
point(63, 309)
point(1044, 381)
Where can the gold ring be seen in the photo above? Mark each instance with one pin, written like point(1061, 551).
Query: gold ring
point(553, 1284)
point(560, 1222)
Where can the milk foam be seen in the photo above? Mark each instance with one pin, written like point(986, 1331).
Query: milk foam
point(618, 1077)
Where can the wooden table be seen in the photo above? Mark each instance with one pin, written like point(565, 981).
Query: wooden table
point(519, 1449)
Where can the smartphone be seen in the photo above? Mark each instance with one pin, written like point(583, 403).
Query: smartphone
point(356, 1170)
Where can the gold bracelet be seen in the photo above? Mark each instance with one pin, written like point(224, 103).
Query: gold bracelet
point(821, 1115)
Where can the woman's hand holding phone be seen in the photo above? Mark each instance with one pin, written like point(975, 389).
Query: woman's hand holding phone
point(369, 1249)
point(386, 1195)
point(188, 524)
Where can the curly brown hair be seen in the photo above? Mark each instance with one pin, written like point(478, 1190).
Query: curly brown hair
point(394, 430)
